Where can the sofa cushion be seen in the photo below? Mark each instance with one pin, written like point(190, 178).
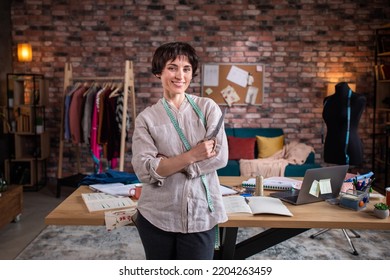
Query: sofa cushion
point(241, 148)
point(268, 146)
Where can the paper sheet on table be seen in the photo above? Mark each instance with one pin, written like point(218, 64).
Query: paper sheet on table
point(119, 218)
point(226, 190)
point(118, 189)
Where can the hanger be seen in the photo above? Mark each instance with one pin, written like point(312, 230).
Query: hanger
point(115, 93)
point(74, 88)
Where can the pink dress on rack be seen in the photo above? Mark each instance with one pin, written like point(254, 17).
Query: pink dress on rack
point(95, 147)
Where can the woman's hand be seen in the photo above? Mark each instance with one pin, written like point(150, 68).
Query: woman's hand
point(204, 150)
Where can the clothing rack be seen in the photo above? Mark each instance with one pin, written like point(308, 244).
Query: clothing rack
point(128, 80)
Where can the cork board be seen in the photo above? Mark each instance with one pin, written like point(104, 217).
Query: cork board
point(233, 84)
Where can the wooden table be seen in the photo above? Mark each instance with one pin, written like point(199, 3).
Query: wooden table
point(72, 211)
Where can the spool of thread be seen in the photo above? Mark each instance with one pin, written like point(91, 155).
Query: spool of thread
point(259, 186)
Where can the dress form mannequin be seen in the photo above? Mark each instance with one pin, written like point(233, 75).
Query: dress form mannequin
point(341, 147)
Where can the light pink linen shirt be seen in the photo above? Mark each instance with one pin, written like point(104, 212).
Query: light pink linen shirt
point(178, 203)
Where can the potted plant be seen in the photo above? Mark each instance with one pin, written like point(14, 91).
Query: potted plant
point(381, 210)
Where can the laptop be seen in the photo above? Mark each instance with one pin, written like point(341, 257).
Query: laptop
point(336, 174)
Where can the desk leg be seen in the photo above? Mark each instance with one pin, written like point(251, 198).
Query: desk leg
point(264, 240)
point(230, 250)
point(228, 238)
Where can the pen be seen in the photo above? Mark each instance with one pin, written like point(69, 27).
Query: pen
point(360, 186)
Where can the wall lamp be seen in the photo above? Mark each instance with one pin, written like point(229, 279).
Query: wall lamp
point(24, 52)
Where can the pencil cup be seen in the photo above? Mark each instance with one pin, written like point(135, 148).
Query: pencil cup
point(355, 200)
point(388, 196)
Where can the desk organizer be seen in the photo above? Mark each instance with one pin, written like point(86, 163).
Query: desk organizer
point(353, 199)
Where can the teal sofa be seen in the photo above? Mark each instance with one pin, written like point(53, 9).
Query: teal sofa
point(233, 166)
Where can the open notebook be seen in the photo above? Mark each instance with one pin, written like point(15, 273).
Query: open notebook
point(255, 205)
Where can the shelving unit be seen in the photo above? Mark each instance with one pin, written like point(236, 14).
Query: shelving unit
point(381, 112)
point(25, 127)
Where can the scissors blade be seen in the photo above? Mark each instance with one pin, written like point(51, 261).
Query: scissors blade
point(218, 127)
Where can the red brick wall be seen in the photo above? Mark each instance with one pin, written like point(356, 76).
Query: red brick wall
point(303, 44)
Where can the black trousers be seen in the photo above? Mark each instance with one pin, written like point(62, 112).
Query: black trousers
point(163, 245)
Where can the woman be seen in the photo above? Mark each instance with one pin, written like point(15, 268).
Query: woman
point(181, 204)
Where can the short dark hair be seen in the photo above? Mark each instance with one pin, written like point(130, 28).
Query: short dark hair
point(170, 51)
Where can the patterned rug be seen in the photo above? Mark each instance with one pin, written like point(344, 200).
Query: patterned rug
point(96, 243)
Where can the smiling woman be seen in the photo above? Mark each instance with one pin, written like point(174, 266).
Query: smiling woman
point(176, 78)
point(181, 204)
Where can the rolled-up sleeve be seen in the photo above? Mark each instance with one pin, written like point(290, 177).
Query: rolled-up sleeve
point(145, 160)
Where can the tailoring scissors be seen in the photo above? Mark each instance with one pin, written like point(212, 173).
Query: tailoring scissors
point(214, 134)
point(217, 128)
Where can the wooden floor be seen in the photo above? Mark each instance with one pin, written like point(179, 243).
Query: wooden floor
point(15, 236)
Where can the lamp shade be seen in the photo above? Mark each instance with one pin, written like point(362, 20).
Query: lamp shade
point(24, 52)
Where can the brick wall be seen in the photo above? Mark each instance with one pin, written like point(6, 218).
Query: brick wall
point(303, 44)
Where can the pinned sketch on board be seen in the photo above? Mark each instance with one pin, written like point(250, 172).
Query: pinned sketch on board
point(233, 84)
point(230, 95)
point(210, 77)
point(238, 76)
point(251, 95)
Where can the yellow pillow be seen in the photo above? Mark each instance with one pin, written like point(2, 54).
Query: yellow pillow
point(268, 146)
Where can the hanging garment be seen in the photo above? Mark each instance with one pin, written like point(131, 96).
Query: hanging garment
point(75, 114)
point(88, 110)
point(96, 149)
point(119, 115)
point(110, 134)
point(68, 99)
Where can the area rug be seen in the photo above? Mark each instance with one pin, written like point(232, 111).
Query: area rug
point(96, 243)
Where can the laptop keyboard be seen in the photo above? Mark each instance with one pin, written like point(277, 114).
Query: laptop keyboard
point(285, 194)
